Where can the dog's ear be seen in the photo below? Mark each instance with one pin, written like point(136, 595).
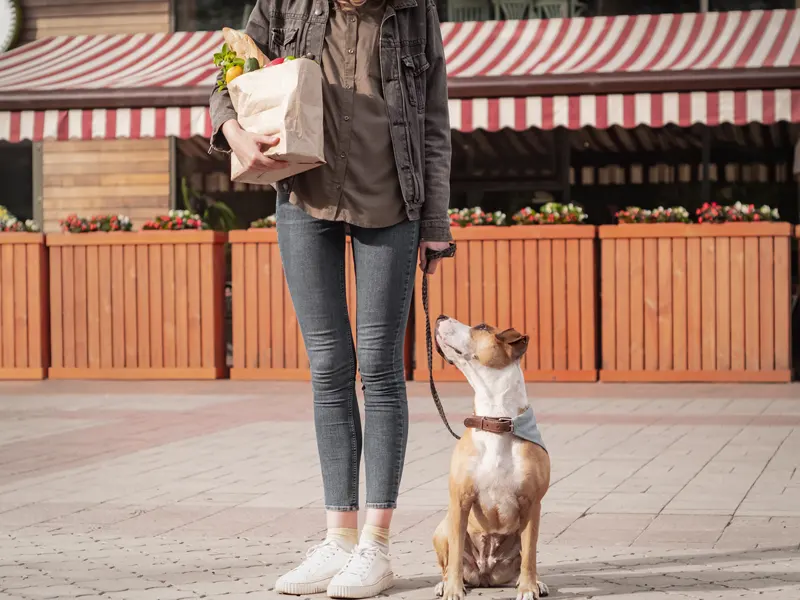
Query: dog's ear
point(515, 340)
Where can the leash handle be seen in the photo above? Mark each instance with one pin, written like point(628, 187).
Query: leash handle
point(430, 255)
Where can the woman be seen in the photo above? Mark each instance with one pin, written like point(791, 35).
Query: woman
point(386, 182)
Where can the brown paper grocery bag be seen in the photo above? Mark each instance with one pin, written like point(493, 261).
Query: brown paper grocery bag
point(283, 100)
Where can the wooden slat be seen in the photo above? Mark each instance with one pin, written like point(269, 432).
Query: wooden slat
point(766, 272)
point(679, 304)
point(193, 314)
point(68, 303)
point(665, 314)
point(503, 266)
point(463, 312)
point(181, 302)
point(56, 308)
point(573, 305)
point(588, 307)
point(708, 323)
point(93, 314)
point(489, 286)
point(517, 289)
point(7, 301)
point(623, 297)
point(264, 319)
point(435, 306)
point(19, 285)
point(157, 307)
point(117, 304)
point(105, 307)
point(559, 299)
point(609, 303)
point(81, 341)
point(36, 263)
point(475, 275)
point(131, 312)
point(752, 308)
point(546, 305)
point(693, 300)
point(277, 308)
point(291, 330)
point(240, 290)
point(532, 322)
point(783, 320)
point(723, 301)
point(168, 305)
point(210, 306)
point(143, 305)
point(737, 304)
point(651, 304)
point(636, 251)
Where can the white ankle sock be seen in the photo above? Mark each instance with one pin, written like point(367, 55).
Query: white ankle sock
point(379, 536)
point(346, 537)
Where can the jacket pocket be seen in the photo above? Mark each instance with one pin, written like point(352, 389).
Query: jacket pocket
point(283, 41)
point(415, 66)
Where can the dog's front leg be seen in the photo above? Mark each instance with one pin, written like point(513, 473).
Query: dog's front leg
point(458, 516)
point(529, 587)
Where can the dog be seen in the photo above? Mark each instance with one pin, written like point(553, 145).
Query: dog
point(497, 479)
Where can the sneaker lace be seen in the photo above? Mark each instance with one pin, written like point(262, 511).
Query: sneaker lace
point(361, 560)
point(320, 552)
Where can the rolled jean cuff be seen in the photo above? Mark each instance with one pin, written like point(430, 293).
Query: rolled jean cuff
point(342, 508)
point(381, 505)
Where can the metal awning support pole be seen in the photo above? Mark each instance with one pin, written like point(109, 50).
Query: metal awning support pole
point(564, 153)
point(705, 190)
point(703, 6)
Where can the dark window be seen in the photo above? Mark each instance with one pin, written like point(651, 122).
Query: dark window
point(16, 173)
point(211, 15)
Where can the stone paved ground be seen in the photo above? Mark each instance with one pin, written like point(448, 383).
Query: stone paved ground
point(166, 491)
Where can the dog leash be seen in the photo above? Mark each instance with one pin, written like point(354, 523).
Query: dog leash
point(431, 255)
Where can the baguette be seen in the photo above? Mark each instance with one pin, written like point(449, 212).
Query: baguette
point(243, 45)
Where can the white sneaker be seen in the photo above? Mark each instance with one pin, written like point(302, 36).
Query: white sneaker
point(366, 574)
point(314, 574)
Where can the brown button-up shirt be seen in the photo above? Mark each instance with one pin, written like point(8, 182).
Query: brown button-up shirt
point(359, 183)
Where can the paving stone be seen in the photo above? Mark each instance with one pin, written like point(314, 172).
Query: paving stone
point(212, 490)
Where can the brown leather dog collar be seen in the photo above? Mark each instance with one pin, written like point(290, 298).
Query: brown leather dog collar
point(490, 424)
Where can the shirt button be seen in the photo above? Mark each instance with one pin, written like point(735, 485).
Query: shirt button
point(318, 12)
point(350, 51)
point(338, 186)
point(342, 155)
point(347, 118)
point(352, 19)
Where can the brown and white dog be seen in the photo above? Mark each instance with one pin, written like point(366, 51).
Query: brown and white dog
point(497, 480)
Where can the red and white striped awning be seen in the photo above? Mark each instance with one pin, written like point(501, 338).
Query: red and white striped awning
point(175, 73)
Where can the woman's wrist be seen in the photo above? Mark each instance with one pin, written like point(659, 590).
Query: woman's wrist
point(230, 127)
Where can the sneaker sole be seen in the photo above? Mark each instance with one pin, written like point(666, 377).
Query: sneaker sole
point(357, 592)
point(301, 589)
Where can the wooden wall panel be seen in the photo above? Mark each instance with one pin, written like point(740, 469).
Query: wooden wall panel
point(716, 302)
point(141, 305)
point(24, 325)
point(44, 18)
point(130, 177)
point(267, 343)
point(538, 279)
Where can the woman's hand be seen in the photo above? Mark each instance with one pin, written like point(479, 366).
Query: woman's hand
point(249, 147)
point(423, 261)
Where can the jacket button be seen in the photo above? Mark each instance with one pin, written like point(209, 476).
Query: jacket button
point(318, 12)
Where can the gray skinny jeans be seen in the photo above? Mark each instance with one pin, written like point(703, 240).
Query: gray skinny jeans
point(313, 255)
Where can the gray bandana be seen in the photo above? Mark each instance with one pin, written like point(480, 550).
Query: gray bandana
point(525, 428)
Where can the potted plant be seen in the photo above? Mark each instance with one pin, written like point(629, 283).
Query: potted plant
point(696, 301)
point(533, 271)
point(24, 344)
point(137, 304)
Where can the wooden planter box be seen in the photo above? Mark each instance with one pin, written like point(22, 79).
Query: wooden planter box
point(696, 302)
point(539, 279)
point(137, 305)
point(23, 306)
point(267, 343)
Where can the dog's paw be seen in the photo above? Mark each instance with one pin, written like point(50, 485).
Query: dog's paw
point(543, 590)
point(438, 591)
point(539, 591)
point(450, 592)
